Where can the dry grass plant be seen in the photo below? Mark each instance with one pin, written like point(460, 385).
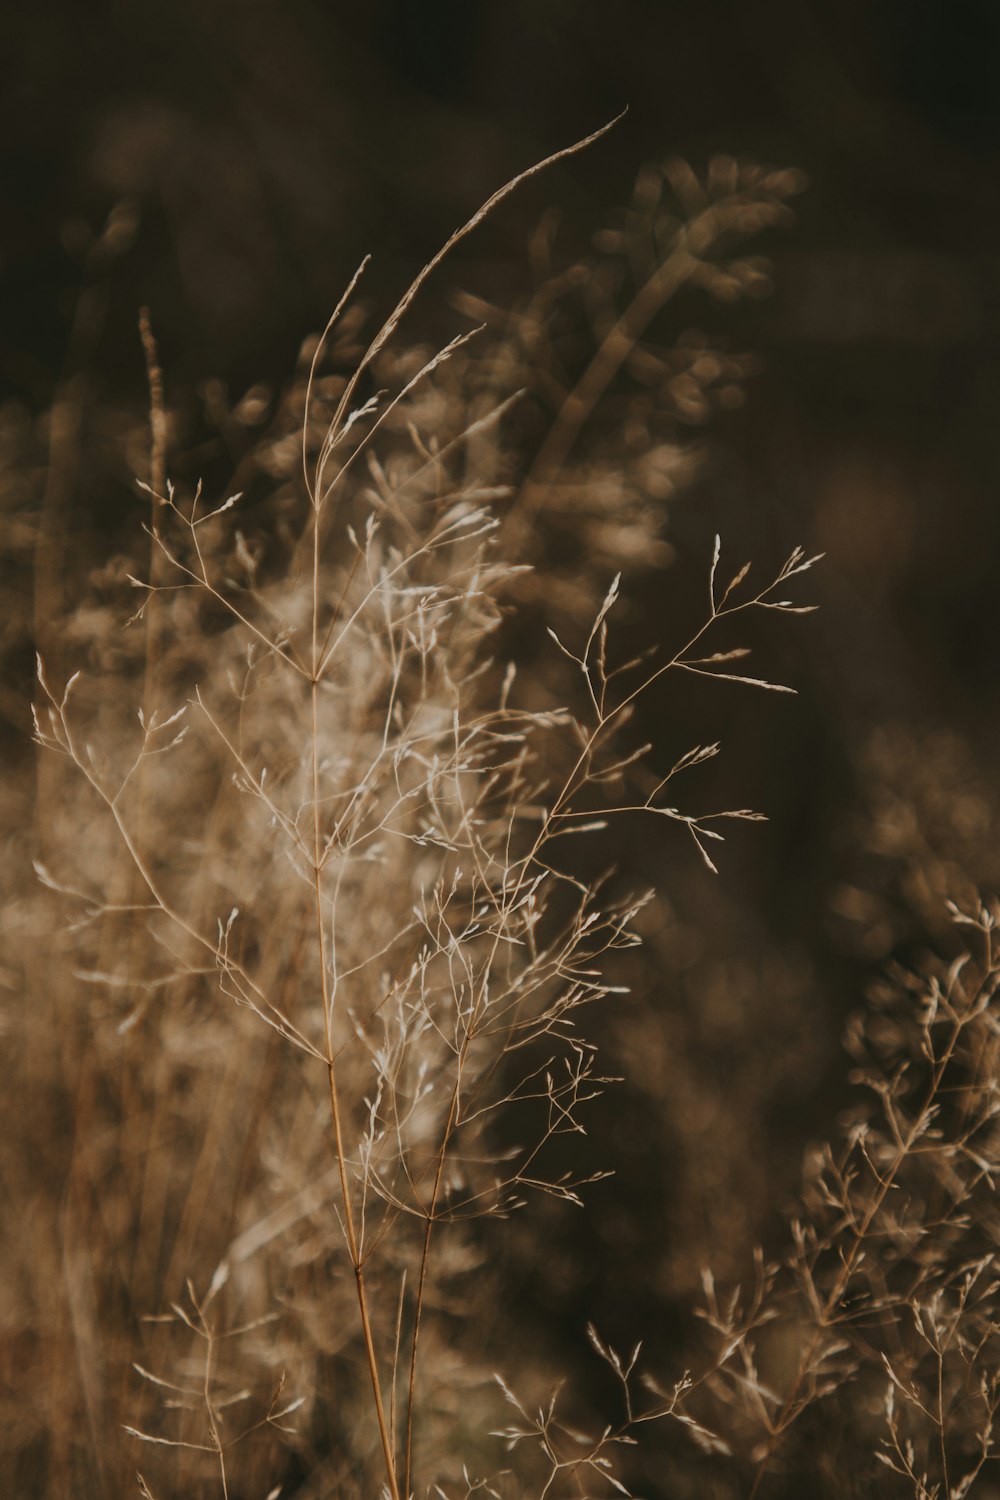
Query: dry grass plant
point(882, 1321)
point(312, 790)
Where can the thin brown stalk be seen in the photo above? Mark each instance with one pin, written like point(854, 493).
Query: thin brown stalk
point(349, 1223)
point(422, 1278)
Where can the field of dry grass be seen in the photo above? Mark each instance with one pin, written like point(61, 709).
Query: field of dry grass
point(331, 933)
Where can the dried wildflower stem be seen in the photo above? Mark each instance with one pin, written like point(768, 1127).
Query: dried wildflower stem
point(213, 1425)
point(350, 1228)
point(425, 1259)
point(320, 660)
point(693, 241)
point(885, 1183)
point(157, 415)
point(942, 1436)
point(391, 323)
point(157, 489)
point(320, 489)
point(614, 349)
point(158, 503)
point(577, 778)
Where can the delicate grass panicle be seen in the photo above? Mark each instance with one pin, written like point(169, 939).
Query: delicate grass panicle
point(312, 788)
point(881, 1323)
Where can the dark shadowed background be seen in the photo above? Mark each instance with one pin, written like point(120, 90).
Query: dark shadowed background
point(254, 151)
